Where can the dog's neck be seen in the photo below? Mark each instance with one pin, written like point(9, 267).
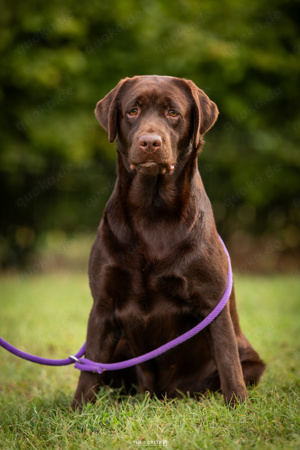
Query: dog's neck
point(171, 194)
point(161, 191)
point(140, 203)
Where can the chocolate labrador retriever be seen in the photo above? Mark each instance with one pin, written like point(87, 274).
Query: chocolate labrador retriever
point(157, 267)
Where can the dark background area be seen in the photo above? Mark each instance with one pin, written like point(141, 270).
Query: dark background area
point(57, 168)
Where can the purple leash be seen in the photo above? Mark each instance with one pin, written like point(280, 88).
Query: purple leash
point(39, 360)
point(91, 366)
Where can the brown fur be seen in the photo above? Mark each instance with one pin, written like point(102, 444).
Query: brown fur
point(157, 267)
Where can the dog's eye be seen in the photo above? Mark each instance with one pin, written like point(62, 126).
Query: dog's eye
point(172, 113)
point(133, 112)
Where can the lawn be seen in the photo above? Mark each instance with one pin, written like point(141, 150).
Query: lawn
point(47, 315)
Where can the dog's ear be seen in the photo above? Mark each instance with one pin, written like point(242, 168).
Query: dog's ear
point(107, 111)
point(205, 113)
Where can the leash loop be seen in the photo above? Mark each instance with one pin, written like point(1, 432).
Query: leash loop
point(92, 366)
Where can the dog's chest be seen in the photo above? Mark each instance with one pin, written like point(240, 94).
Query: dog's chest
point(145, 290)
point(151, 266)
point(157, 241)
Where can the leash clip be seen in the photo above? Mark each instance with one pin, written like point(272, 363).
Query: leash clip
point(74, 358)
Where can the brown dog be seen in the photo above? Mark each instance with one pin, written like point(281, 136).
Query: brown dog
point(157, 267)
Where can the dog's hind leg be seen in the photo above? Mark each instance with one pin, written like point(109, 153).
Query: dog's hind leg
point(252, 365)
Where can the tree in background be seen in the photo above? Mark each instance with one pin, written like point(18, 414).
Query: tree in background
point(58, 59)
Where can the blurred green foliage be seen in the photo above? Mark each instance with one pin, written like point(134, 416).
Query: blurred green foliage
point(59, 58)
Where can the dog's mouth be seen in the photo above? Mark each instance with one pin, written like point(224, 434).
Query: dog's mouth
point(153, 168)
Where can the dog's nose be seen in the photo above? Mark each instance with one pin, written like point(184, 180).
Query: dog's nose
point(150, 142)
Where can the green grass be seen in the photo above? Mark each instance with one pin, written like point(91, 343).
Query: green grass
point(47, 315)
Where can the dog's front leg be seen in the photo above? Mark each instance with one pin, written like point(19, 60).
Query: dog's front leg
point(225, 350)
point(102, 338)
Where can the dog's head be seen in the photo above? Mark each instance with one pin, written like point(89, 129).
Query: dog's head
point(156, 119)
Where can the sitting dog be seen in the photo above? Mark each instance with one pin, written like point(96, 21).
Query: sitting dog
point(157, 267)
